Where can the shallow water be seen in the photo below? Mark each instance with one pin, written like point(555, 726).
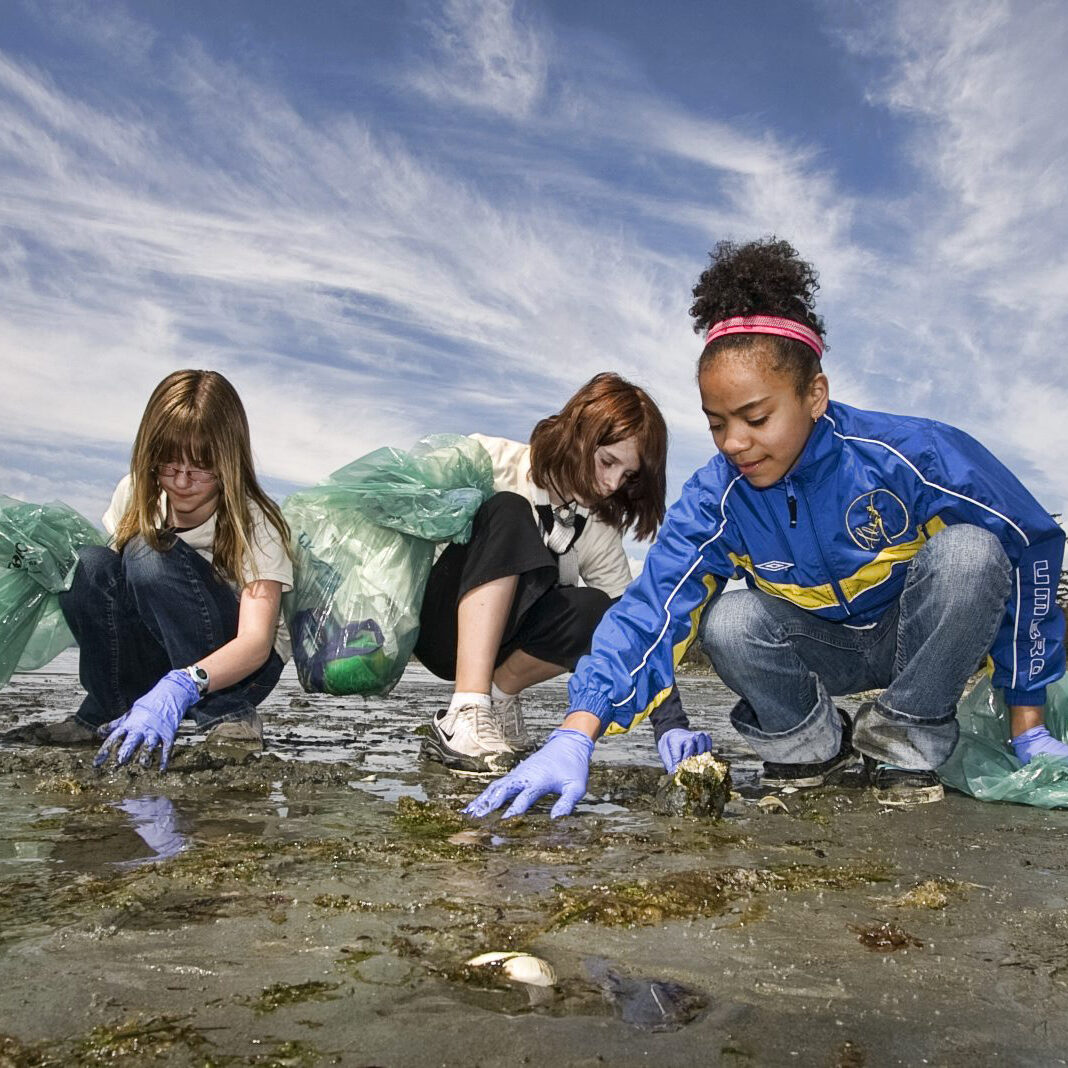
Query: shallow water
point(316, 904)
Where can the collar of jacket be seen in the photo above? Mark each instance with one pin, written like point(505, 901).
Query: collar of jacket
point(820, 456)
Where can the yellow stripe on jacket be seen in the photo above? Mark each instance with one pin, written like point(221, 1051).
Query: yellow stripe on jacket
point(677, 653)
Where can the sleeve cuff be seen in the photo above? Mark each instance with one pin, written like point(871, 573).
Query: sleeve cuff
point(596, 704)
point(1025, 697)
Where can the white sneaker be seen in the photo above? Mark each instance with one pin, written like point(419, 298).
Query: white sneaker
point(468, 740)
point(509, 713)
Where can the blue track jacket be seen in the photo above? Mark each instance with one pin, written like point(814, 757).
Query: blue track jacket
point(867, 492)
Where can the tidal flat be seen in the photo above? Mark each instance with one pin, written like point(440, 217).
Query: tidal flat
point(316, 904)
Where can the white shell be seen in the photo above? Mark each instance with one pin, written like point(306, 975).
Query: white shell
point(519, 967)
point(771, 803)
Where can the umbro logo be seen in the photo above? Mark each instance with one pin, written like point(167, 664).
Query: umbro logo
point(774, 565)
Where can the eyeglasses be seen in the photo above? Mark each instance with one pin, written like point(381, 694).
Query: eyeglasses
point(194, 474)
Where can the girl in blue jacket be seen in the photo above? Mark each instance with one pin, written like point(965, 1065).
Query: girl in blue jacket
point(879, 552)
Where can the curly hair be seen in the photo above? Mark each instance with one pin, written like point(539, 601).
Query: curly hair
point(607, 409)
point(765, 277)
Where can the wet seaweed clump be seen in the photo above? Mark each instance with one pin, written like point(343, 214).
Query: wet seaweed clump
point(930, 894)
point(429, 819)
point(683, 895)
point(280, 994)
point(137, 1041)
point(346, 903)
point(884, 937)
point(700, 786)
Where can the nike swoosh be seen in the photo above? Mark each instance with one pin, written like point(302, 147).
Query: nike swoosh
point(441, 731)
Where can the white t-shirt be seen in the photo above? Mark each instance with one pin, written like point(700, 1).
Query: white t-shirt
point(597, 557)
point(269, 559)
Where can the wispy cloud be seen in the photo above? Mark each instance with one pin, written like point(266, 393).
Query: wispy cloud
point(983, 273)
point(369, 274)
point(486, 55)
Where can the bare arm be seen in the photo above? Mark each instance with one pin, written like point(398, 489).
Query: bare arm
point(256, 624)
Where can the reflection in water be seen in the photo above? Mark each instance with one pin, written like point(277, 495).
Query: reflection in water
point(156, 822)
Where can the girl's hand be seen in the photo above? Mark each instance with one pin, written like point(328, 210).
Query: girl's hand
point(1038, 742)
point(561, 766)
point(679, 743)
point(153, 720)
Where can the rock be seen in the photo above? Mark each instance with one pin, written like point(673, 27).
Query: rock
point(700, 786)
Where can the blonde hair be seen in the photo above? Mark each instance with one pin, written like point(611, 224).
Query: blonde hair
point(197, 418)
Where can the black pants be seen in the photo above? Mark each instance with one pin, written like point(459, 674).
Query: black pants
point(547, 621)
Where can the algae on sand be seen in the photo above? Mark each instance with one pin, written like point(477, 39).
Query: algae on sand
point(699, 893)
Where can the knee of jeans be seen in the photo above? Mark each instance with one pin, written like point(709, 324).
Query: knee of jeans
point(971, 558)
point(729, 623)
point(144, 566)
point(97, 565)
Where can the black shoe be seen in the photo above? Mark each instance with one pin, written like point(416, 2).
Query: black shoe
point(816, 772)
point(902, 786)
point(67, 731)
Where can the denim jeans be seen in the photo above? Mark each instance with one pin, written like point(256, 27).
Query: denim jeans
point(141, 613)
point(786, 665)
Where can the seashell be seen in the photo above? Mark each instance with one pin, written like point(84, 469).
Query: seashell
point(519, 967)
point(772, 804)
point(468, 838)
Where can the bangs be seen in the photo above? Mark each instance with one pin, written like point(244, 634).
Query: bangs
point(183, 437)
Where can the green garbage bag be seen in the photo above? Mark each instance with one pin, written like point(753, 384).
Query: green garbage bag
point(364, 544)
point(39, 546)
point(983, 763)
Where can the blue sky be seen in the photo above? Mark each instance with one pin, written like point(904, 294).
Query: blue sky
point(382, 220)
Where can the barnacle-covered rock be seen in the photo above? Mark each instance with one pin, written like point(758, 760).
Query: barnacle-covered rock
point(699, 786)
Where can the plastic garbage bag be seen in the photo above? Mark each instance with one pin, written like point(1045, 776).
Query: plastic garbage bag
point(364, 545)
point(983, 763)
point(39, 546)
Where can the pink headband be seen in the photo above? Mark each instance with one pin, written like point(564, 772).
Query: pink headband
point(766, 324)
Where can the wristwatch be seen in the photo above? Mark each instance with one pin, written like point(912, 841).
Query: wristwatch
point(200, 677)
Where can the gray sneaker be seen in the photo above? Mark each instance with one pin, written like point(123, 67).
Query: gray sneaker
point(67, 731)
point(244, 734)
point(509, 714)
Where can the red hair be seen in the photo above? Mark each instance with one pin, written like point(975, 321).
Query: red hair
point(606, 410)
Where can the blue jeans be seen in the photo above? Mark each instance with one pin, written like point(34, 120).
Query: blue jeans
point(786, 665)
point(141, 613)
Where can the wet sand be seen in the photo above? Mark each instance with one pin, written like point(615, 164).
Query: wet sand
point(316, 904)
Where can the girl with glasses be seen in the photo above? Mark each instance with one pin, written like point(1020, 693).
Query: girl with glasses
point(181, 615)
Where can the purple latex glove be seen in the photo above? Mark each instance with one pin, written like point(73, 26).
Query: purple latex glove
point(679, 743)
point(152, 721)
point(1035, 742)
point(561, 766)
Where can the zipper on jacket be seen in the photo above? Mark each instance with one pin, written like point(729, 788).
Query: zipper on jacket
point(791, 503)
point(842, 602)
